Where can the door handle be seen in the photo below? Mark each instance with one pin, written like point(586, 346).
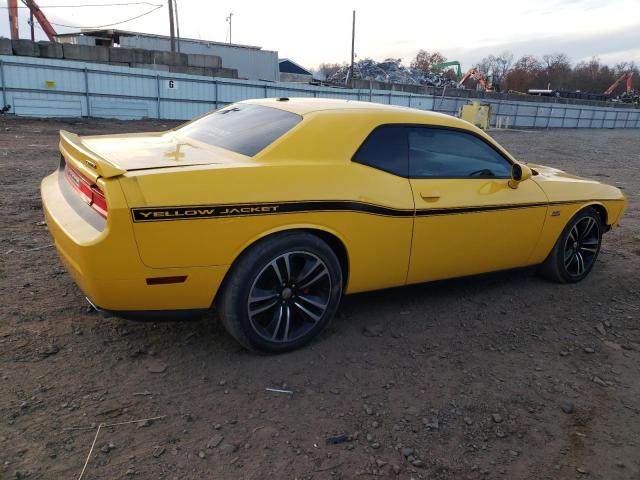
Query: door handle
point(430, 196)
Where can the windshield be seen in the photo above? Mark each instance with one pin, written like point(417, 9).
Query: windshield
point(241, 128)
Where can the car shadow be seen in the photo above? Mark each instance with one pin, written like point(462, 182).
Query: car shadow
point(205, 337)
point(448, 290)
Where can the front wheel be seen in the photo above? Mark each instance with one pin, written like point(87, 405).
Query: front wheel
point(281, 293)
point(576, 251)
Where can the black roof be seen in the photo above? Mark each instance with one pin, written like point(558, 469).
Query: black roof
point(289, 66)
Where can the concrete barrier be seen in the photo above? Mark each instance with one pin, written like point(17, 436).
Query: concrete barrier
point(85, 53)
point(198, 60)
point(25, 48)
point(130, 55)
point(222, 72)
point(50, 50)
point(173, 59)
point(190, 64)
point(5, 47)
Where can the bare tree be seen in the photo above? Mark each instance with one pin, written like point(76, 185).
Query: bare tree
point(558, 70)
point(524, 75)
point(624, 67)
point(592, 76)
point(503, 63)
point(496, 67)
point(326, 70)
point(627, 67)
point(424, 60)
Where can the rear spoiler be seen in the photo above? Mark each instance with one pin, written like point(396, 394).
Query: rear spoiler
point(74, 150)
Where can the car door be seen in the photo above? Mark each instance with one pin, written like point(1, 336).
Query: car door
point(468, 219)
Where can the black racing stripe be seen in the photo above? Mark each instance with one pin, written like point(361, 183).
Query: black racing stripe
point(427, 212)
point(343, 206)
point(194, 212)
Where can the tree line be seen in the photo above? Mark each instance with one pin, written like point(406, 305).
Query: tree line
point(551, 71)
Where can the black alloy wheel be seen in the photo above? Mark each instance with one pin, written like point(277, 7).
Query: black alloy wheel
point(576, 251)
point(289, 296)
point(281, 292)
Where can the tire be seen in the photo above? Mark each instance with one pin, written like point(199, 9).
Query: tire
point(575, 253)
point(281, 292)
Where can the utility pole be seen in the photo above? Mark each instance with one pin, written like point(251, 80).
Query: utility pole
point(171, 29)
point(177, 23)
point(39, 15)
point(353, 44)
point(229, 20)
point(33, 36)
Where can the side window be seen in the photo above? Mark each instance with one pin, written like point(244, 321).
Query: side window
point(440, 153)
point(386, 148)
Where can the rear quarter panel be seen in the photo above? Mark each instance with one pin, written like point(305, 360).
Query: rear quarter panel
point(377, 246)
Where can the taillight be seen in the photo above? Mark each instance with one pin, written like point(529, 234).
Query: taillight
point(88, 190)
point(99, 203)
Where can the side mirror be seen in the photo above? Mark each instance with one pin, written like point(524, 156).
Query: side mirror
point(519, 173)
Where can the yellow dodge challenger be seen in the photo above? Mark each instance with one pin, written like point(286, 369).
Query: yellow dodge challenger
point(270, 210)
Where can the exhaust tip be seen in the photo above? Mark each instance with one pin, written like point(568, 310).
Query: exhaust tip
point(94, 306)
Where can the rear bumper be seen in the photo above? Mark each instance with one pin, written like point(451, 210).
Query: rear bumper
point(153, 315)
point(104, 261)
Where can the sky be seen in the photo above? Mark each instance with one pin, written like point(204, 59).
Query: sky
point(314, 32)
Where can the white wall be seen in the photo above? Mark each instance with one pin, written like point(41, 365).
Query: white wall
point(52, 88)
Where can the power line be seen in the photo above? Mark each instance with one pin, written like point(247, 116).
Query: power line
point(91, 5)
point(109, 24)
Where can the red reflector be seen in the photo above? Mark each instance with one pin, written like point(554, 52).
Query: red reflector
point(99, 203)
point(165, 280)
point(87, 189)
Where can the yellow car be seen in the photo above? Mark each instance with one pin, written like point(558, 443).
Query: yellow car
point(272, 209)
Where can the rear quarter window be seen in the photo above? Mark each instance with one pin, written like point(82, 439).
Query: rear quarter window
point(386, 149)
point(242, 128)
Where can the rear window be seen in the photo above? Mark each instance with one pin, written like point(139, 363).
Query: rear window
point(241, 128)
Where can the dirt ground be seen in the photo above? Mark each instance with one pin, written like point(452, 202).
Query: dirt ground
point(466, 379)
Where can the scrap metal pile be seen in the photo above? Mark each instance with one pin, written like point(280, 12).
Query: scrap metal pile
point(633, 96)
point(390, 71)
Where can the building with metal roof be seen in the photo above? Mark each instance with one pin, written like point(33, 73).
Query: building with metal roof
point(290, 71)
point(252, 62)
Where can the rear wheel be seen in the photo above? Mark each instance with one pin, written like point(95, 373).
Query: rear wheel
point(576, 251)
point(281, 293)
